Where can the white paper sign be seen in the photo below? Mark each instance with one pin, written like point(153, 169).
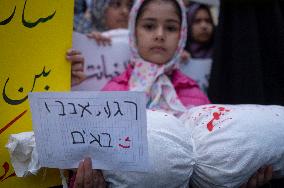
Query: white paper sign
point(102, 63)
point(199, 70)
point(109, 127)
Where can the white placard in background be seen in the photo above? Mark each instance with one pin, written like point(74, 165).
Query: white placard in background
point(102, 63)
point(199, 70)
point(109, 127)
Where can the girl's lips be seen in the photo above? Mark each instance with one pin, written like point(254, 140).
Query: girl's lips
point(158, 49)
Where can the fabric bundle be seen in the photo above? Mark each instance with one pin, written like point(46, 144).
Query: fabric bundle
point(211, 146)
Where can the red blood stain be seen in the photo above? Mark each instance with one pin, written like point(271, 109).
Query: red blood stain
point(221, 109)
point(216, 116)
point(12, 122)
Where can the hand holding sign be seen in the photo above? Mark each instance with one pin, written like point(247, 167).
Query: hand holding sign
point(87, 177)
point(77, 66)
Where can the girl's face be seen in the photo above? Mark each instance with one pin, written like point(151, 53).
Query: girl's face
point(117, 13)
point(202, 27)
point(158, 32)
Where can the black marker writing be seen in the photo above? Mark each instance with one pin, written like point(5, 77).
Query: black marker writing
point(6, 21)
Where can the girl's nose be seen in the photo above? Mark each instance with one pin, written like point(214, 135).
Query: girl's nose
point(160, 34)
point(204, 25)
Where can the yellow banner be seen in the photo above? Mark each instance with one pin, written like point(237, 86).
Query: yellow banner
point(34, 37)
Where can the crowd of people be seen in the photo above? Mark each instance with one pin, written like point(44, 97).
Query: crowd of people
point(246, 48)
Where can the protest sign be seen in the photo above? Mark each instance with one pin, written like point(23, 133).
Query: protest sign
point(35, 36)
point(102, 63)
point(109, 127)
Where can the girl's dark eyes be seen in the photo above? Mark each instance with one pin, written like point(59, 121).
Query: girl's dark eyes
point(168, 28)
point(172, 28)
point(198, 21)
point(148, 26)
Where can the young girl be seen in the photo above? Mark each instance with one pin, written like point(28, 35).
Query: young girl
point(158, 32)
point(156, 42)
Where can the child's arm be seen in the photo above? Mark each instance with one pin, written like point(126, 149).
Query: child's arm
point(77, 66)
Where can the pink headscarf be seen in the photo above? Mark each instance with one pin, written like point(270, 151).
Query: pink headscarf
point(152, 78)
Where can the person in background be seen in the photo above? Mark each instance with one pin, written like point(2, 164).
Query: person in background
point(197, 57)
point(200, 37)
point(80, 9)
point(103, 16)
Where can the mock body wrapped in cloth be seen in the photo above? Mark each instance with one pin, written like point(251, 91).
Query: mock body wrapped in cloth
point(209, 146)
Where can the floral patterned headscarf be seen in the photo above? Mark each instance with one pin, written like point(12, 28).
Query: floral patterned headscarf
point(152, 78)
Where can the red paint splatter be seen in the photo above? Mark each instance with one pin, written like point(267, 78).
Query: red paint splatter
point(221, 109)
point(216, 116)
point(12, 122)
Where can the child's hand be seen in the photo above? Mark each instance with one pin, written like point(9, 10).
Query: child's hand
point(77, 66)
point(100, 39)
point(88, 178)
point(185, 56)
point(261, 177)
